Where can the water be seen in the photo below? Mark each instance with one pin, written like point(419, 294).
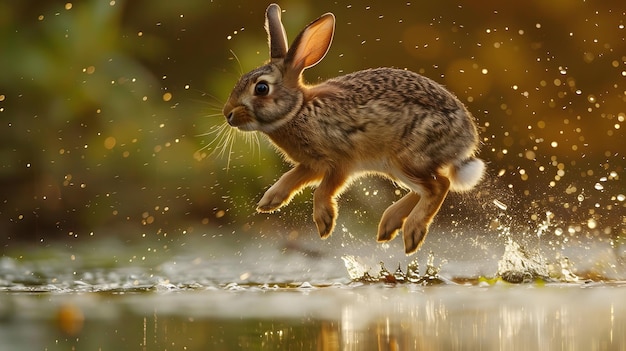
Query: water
point(308, 295)
point(333, 317)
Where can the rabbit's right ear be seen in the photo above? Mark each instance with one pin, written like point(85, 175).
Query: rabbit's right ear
point(276, 35)
point(312, 44)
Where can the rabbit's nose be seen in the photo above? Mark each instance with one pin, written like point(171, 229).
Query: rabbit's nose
point(228, 112)
point(229, 117)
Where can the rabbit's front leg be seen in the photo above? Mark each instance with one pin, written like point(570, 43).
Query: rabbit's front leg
point(433, 192)
point(394, 216)
point(324, 203)
point(286, 187)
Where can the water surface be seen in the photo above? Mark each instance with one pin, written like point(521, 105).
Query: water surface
point(295, 297)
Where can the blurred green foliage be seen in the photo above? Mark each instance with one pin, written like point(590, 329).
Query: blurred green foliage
point(107, 108)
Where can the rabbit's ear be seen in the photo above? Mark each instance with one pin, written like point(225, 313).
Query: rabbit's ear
point(312, 44)
point(276, 36)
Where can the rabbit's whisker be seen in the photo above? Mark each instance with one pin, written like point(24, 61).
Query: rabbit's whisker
point(224, 139)
point(238, 62)
point(217, 114)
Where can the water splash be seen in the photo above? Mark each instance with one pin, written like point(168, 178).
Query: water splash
point(518, 265)
point(359, 272)
point(356, 268)
point(562, 271)
point(521, 265)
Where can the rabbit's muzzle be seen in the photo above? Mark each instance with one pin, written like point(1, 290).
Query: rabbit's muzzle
point(238, 117)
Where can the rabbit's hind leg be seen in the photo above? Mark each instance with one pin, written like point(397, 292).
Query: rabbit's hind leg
point(286, 187)
point(433, 191)
point(324, 203)
point(394, 216)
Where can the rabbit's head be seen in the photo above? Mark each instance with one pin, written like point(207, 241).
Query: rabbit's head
point(269, 96)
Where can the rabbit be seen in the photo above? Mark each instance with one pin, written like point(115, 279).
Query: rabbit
point(384, 121)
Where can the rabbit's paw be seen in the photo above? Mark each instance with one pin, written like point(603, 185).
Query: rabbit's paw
point(394, 216)
point(389, 225)
point(324, 218)
point(271, 201)
point(387, 232)
point(413, 237)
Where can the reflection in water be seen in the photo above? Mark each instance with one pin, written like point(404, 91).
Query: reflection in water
point(349, 331)
point(530, 319)
point(338, 317)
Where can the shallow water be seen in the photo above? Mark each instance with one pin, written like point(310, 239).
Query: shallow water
point(298, 296)
point(352, 317)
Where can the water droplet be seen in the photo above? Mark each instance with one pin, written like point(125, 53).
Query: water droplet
point(305, 285)
point(591, 223)
point(499, 204)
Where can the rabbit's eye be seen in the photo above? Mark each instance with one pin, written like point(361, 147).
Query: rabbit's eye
point(261, 88)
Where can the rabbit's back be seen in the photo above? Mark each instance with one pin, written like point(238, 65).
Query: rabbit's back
point(383, 113)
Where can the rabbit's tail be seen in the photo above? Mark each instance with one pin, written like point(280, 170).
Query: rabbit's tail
point(465, 174)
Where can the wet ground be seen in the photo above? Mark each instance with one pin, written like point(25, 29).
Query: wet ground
point(226, 294)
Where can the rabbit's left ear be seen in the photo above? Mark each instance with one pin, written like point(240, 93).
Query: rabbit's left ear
point(312, 44)
point(276, 36)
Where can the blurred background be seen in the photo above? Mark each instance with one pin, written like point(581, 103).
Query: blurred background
point(110, 114)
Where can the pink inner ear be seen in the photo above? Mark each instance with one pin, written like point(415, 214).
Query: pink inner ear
point(314, 42)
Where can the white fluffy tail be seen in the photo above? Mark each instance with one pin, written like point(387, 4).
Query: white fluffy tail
point(466, 174)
